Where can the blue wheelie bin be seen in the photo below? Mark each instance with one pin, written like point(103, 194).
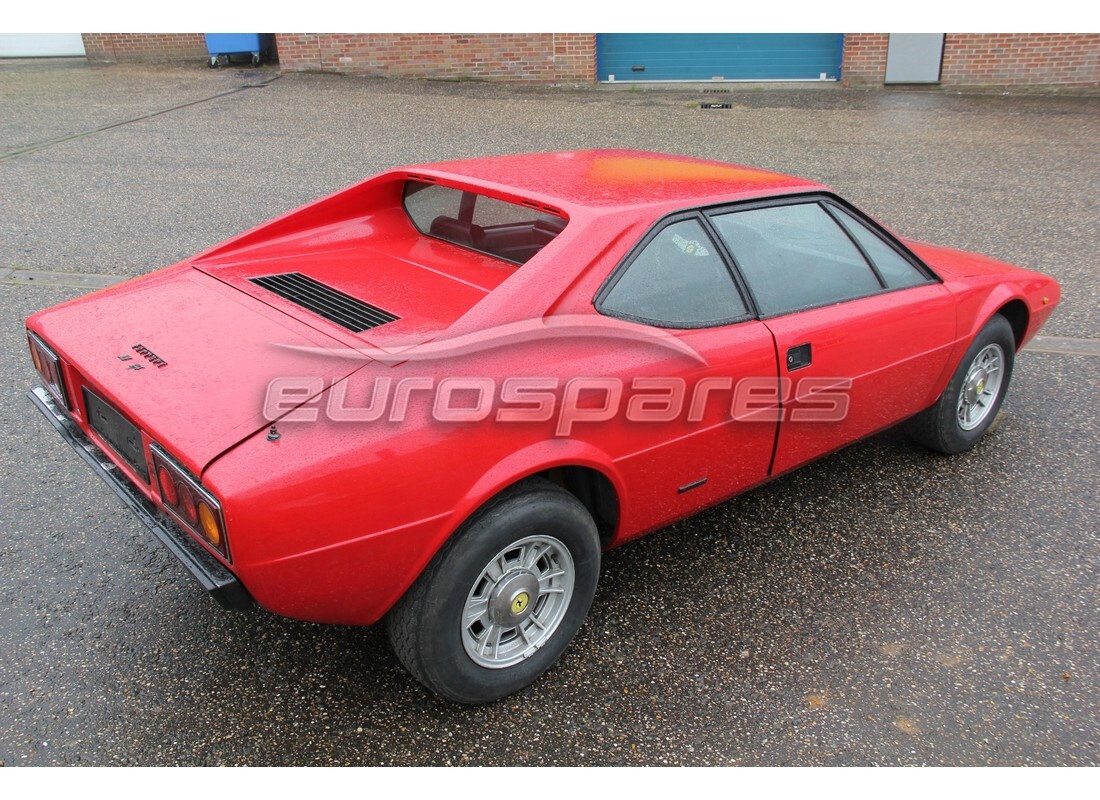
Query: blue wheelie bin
point(223, 45)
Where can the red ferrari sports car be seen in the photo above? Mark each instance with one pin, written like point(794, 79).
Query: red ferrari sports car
point(437, 396)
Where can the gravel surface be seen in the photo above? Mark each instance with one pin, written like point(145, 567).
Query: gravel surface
point(882, 606)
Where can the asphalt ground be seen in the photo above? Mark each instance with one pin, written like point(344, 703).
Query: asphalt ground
point(882, 606)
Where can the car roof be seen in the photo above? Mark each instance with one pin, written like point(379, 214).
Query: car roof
point(616, 178)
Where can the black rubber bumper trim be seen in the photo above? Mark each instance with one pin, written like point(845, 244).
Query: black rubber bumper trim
point(211, 573)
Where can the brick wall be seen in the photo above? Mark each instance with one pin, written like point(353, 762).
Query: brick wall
point(988, 59)
point(1035, 59)
point(521, 57)
point(863, 62)
point(970, 59)
point(144, 46)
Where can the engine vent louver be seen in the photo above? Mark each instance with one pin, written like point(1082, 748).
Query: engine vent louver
point(324, 301)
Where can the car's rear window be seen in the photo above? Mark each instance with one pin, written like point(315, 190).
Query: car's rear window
point(509, 231)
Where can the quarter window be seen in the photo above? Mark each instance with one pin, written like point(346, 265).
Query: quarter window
point(795, 256)
point(677, 280)
point(895, 269)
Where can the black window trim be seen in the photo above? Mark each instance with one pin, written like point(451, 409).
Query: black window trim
point(704, 215)
point(825, 199)
point(828, 197)
point(655, 230)
point(834, 215)
point(886, 238)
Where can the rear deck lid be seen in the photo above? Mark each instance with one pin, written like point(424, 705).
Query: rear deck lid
point(188, 358)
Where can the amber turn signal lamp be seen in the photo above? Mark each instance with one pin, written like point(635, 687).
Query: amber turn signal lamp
point(208, 523)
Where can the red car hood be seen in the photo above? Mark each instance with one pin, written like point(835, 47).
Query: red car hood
point(949, 262)
point(221, 349)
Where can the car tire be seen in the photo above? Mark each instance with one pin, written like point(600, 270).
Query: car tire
point(502, 599)
point(969, 404)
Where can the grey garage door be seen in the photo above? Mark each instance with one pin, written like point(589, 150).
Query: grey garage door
point(31, 45)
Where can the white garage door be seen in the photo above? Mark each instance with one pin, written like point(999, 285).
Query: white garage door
point(30, 45)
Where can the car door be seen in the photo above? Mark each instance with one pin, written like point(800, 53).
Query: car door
point(680, 460)
point(862, 330)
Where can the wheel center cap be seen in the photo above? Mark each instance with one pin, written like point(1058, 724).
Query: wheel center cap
point(975, 387)
point(513, 598)
point(519, 602)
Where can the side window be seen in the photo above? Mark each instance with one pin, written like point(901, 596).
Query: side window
point(795, 256)
point(678, 280)
point(894, 268)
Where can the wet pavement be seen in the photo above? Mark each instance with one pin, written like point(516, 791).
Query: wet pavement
point(882, 606)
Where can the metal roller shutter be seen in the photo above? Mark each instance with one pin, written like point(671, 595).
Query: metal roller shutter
point(721, 56)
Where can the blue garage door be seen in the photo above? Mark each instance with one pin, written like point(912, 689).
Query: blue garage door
point(723, 56)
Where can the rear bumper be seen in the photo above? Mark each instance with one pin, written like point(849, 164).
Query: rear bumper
point(212, 574)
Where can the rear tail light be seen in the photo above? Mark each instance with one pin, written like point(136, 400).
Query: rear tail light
point(187, 505)
point(168, 492)
point(48, 365)
point(189, 502)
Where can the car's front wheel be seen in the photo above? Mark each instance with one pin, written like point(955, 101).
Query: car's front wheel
point(969, 404)
point(503, 598)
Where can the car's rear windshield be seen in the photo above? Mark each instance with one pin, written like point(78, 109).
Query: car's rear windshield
point(509, 231)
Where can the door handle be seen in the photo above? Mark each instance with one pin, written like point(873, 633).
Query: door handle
point(799, 357)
